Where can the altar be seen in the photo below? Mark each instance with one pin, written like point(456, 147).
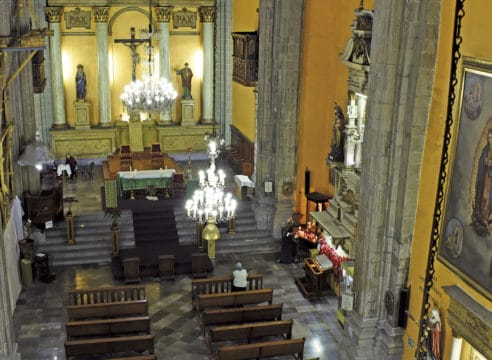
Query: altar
point(146, 180)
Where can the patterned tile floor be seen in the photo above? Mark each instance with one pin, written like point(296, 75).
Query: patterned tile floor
point(41, 308)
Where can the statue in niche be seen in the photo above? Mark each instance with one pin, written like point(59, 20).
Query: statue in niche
point(186, 76)
point(80, 83)
point(338, 138)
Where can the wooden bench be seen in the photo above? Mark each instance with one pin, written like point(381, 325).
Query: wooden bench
point(106, 294)
point(221, 284)
point(241, 315)
point(294, 347)
point(246, 297)
point(108, 327)
point(108, 310)
point(138, 357)
point(109, 345)
point(250, 331)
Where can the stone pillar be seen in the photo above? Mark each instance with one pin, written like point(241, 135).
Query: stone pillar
point(223, 69)
point(390, 179)
point(54, 18)
point(163, 18)
point(101, 14)
point(207, 15)
point(277, 114)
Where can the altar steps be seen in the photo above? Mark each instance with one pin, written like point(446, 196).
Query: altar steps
point(155, 227)
point(92, 239)
point(246, 239)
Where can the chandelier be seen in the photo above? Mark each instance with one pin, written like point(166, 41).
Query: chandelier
point(150, 95)
point(210, 199)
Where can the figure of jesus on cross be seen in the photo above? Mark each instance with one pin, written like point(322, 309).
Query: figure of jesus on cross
point(133, 43)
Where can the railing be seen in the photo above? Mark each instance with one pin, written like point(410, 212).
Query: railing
point(106, 295)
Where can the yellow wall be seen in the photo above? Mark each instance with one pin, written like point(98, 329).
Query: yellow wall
point(244, 19)
point(79, 47)
point(475, 24)
point(323, 82)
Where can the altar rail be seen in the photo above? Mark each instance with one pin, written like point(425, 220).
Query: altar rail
point(106, 295)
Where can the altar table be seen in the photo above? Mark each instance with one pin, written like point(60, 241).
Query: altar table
point(141, 180)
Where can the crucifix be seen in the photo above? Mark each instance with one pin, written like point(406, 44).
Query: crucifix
point(133, 43)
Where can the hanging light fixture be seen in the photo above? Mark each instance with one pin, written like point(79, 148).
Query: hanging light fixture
point(152, 94)
point(210, 199)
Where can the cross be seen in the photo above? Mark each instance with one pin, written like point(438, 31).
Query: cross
point(133, 43)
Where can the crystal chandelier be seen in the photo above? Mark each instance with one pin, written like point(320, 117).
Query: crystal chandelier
point(152, 94)
point(148, 96)
point(210, 199)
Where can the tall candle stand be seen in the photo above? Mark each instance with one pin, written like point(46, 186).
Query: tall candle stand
point(188, 170)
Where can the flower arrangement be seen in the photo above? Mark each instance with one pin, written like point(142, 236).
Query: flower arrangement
point(331, 253)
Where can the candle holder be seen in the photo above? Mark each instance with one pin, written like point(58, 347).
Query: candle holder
point(188, 170)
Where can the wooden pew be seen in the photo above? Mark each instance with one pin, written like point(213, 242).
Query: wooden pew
point(106, 294)
point(109, 345)
point(221, 284)
point(246, 297)
point(294, 347)
point(138, 357)
point(241, 315)
point(108, 310)
point(250, 331)
point(107, 327)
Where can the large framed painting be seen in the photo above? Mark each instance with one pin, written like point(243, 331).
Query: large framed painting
point(466, 233)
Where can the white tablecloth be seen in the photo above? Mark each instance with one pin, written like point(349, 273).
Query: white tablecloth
point(243, 180)
point(62, 167)
point(147, 174)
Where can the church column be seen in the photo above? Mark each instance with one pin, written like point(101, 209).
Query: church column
point(207, 15)
point(280, 47)
point(54, 18)
point(101, 14)
point(163, 18)
point(390, 180)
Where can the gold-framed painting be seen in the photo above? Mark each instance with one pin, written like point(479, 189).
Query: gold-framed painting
point(466, 231)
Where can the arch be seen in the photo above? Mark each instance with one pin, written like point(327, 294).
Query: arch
point(128, 9)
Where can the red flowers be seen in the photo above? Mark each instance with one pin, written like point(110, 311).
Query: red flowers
point(331, 253)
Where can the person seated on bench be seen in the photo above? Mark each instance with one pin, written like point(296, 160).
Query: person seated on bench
point(239, 278)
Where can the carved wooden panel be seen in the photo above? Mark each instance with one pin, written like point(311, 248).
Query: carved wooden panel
point(245, 58)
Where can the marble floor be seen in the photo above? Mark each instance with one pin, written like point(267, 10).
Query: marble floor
point(40, 313)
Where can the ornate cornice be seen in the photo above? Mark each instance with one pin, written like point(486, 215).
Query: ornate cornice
point(469, 320)
point(54, 14)
point(207, 13)
point(163, 13)
point(101, 13)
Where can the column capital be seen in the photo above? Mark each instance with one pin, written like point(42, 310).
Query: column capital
point(163, 13)
point(101, 13)
point(207, 13)
point(54, 13)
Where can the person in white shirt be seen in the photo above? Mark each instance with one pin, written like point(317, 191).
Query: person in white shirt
point(239, 278)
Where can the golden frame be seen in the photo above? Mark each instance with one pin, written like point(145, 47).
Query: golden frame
point(466, 230)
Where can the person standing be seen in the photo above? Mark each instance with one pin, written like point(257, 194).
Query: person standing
point(80, 83)
point(186, 76)
point(239, 278)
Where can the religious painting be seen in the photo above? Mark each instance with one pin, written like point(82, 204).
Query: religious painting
point(466, 234)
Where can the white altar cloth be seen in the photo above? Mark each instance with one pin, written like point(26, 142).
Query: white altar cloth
point(147, 174)
point(243, 180)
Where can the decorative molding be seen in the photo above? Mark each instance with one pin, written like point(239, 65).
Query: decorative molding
point(54, 14)
point(101, 13)
point(77, 18)
point(184, 18)
point(207, 13)
point(469, 320)
point(163, 13)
